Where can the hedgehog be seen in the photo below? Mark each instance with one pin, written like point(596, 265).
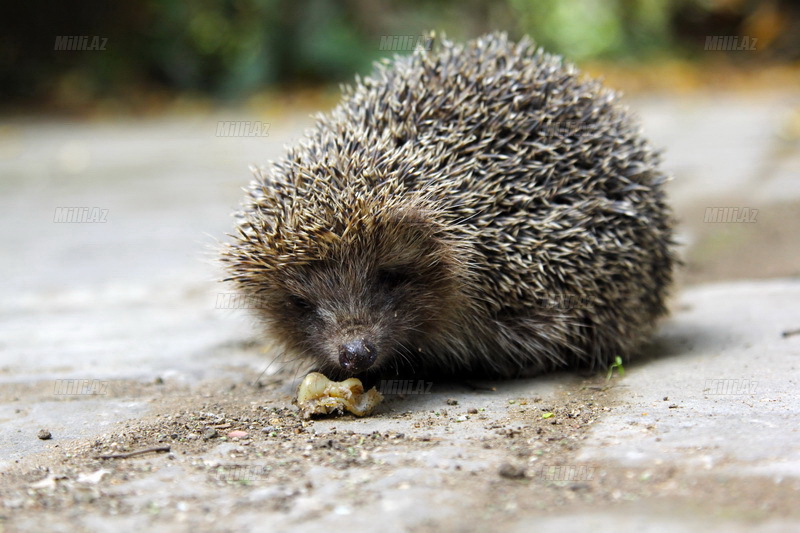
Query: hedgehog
point(478, 209)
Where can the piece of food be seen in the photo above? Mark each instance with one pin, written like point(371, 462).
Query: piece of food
point(317, 395)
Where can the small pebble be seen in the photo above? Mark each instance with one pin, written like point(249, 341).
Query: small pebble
point(452, 401)
point(44, 434)
point(472, 411)
point(237, 433)
point(210, 433)
point(509, 471)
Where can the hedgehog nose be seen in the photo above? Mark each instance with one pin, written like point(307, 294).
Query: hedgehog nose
point(357, 355)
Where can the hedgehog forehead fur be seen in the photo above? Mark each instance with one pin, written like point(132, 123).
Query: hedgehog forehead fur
point(501, 179)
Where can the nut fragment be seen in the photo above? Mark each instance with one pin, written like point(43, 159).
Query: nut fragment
point(317, 395)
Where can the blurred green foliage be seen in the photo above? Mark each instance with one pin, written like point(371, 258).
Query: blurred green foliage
point(585, 29)
point(230, 48)
point(235, 46)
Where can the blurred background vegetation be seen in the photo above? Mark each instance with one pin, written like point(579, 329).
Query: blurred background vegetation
point(225, 50)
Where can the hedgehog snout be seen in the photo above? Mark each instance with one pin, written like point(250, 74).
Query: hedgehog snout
point(357, 355)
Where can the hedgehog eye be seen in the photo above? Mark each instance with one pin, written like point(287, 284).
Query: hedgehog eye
point(392, 278)
point(300, 303)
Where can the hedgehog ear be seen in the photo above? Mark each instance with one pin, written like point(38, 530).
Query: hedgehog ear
point(410, 235)
point(412, 223)
point(417, 244)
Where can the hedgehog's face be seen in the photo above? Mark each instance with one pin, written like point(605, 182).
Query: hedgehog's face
point(353, 317)
point(368, 306)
